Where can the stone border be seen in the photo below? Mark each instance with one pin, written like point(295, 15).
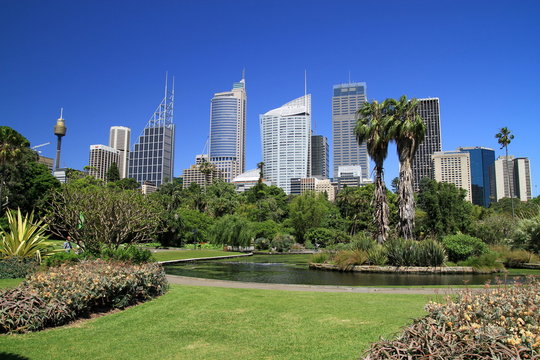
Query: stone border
point(406, 269)
point(203, 258)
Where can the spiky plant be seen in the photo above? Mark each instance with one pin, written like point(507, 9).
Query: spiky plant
point(24, 237)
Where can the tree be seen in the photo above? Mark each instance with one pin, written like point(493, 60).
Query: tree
point(15, 155)
point(130, 184)
point(372, 128)
point(207, 168)
point(113, 174)
point(232, 230)
point(307, 211)
point(447, 210)
point(260, 166)
point(395, 185)
point(222, 198)
point(504, 138)
point(407, 130)
point(96, 216)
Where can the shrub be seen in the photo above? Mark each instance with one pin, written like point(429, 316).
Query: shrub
point(129, 253)
point(495, 229)
point(346, 259)
point(514, 258)
point(17, 267)
point(431, 253)
point(362, 241)
point(402, 252)
point(62, 258)
point(485, 261)
point(319, 258)
point(70, 291)
point(500, 323)
point(461, 246)
point(321, 236)
point(262, 244)
point(282, 242)
point(527, 235)
point(377, 255)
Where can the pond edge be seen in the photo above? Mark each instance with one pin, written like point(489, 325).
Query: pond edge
point(406, 269)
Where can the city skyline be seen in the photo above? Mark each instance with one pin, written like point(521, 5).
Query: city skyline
point(110, 76)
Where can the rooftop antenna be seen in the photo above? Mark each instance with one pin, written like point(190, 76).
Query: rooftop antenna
point(244, 74)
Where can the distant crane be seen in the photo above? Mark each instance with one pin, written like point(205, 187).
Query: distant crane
point(40, 145)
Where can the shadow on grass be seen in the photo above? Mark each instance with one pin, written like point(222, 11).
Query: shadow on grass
point(9, 356)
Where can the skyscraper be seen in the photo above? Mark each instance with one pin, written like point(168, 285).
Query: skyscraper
point(346, 101)
point(227, 142)
point(422, 166)
point(511, 177)
point(101, 159)
point(319, 156)
point(286, 138)
point(454, 167)
point(152, 158)
point(481, 161)
point(120, 139)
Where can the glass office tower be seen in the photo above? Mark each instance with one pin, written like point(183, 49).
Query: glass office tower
point(152, 157)
point(226, 146)
point(346, 101)
point(422, 166)
point(481, 160)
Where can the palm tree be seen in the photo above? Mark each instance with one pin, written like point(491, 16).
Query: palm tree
point(207, 168)
point(372, 128)
point(260, 166)
point(504, 138)
point(408, 131)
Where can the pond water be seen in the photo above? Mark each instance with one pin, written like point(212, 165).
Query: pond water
point(293, 269)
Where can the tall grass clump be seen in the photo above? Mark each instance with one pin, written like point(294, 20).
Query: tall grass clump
point(346, 259)
point(402, 252)
point(514, 258)
point(319, 258)
point(431, 253)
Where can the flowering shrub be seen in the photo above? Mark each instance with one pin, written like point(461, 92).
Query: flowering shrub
point(70, 291)
point(499, 323)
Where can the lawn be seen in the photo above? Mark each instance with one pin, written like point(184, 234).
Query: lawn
point(8, 283)
point(190, 254)
point(219, 323)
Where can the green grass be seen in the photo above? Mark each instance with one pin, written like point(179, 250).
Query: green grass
point(189, 254)
point(219, 323)
point(523, 271)
point(8, 283)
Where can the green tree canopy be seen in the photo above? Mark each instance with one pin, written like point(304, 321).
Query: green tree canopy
point(113, 174)
point(447, 210)
point(307, 211)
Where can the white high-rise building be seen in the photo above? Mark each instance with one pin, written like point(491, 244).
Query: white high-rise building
point(101, 159)
point(454, 167)
point(227, 142)
point(286, 141)
point(512, 178)
point(120, 139)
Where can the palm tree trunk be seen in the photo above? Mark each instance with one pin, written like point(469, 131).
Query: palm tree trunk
point(406, 200)
point(510, 187)
point(381, 206)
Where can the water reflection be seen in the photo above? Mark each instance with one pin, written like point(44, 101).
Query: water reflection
point(293, 269)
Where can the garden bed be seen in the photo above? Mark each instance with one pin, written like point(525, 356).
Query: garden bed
point(406, 269)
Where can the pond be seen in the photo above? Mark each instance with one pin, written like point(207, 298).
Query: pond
point(293, 269)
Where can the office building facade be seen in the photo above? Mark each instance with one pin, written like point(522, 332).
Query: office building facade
point(319, 156)
point(227, 141)
point(429, 110)
point(286, 142)
point(454, 167)
point(152, 158)
point(120, 139)
point(101, 159)
point(512, 178)
point(482, 159)
point(346, 100)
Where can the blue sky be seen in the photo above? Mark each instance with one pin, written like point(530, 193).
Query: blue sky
point(104, 62)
